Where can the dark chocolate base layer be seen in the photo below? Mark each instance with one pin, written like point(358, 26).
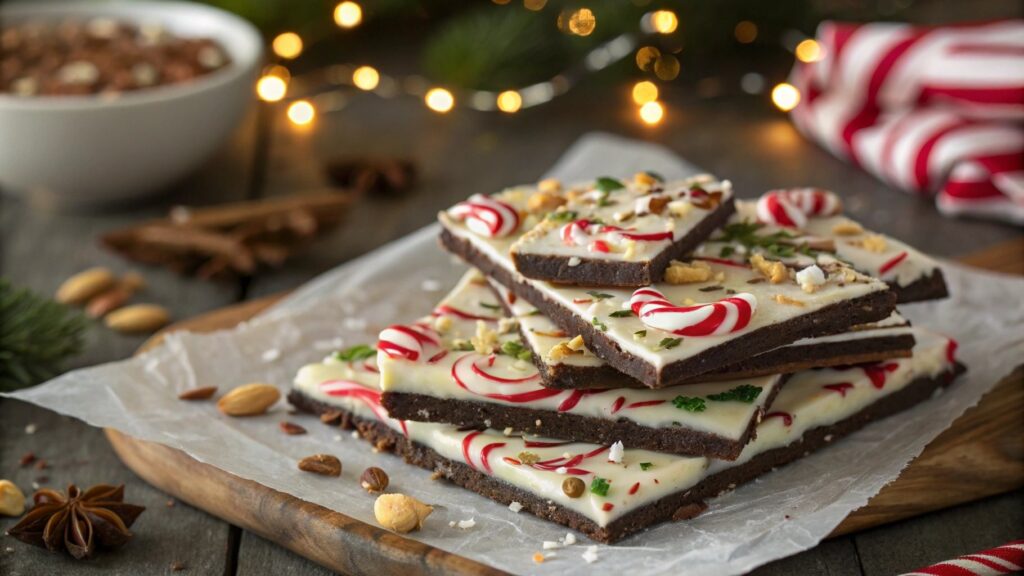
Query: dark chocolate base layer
point(831, 319)
point(599, 272)
point(384, 438)
point(931, 287)
point(568, 426)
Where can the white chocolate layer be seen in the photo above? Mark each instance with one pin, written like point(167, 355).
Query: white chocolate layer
point(811, 399)
point(506, 380)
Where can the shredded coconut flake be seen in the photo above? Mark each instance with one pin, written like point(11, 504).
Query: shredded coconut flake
point(569, 539)
point(467, 524)
point(551, 545)
point(515, 507)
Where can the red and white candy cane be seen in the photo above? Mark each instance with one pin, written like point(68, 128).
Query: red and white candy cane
point(792, 207)
point(1006, 559)
point(712, 319)
point(409, 342)
point(575, 233)
point(487, 216)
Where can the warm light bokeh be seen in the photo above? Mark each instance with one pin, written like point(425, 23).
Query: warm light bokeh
point(509, 101)
point(785, 96)
point(366, 77)
point(271, 88)
point(582, 22)
point(301, 112)
point(665, 21)
point(439, 100)
point(745, 32)
point(348, 14)
point(809, 51)
point(287, 45)
point(652, 113)
point(644, 92)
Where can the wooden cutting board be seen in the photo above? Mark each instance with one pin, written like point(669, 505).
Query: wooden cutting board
point(982, 454)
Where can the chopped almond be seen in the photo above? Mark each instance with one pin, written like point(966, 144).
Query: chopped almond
point(485, 340)
point(560, 351)
point(544, 202)
point(576, 343)
point(687, 273)
point(644, 179)
point(783, 299)
point(847, 228)
point(550, 185)
point(874, 243)
point(774, 271)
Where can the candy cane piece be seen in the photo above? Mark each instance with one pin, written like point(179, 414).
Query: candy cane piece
point(486, 216)
point(792, 207)
point(711, 319)
point(407, 342)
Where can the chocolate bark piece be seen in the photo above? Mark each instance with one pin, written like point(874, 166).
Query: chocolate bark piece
point(875, 305)
point(385, 438)
point(891, 338)
point(786, 224)
point(465, 365)
point(627, 241)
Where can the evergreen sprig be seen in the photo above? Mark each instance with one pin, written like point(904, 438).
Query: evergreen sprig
point(36, 336)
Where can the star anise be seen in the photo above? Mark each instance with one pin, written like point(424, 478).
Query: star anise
point(78, 522)
point(384, 175)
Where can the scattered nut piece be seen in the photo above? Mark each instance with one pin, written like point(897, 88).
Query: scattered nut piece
point(573, 487)
point(12, 500)
point(544, 202)
point(400, 513)
point(323, 464)
point(774, 271)
point(485, 340)
point(783, 299)
point(528, 458)
point(106, 302)
point(874, 243)
point(687, 273)
point(201, 393)
point(549, 185)
point(560, 351)
point(291, 428)
point(249, 399)
point(623, 216)
point(84, 285)
point(332, 417)
point(644, 179)
point(847, 228)
point(26, 459)
point(374, 479)
point(576, 343)
point(138, 318)
point(679, 208)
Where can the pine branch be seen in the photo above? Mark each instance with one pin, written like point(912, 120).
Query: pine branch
point(36, 336)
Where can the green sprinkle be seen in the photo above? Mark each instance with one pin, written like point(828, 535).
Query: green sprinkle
point(646, 466)
point(640, 333)
point(690, 403)
point(603, 201)
point(357, 352)
point(599, 486)
point(726, 251)
point(561, 216)
point(599, 295)
point(490, 306)
point(621, 313)
point(606, 184)
point(669, 343)
point(462, 345)
point(600, 325)
point(516, 350)
point(742, 393)
point(655, 175)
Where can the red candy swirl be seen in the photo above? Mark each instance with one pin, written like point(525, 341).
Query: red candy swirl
point(408, 342)
point(712, 319)
point(792, 207)
point(487, 216)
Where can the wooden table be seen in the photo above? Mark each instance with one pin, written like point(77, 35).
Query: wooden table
point(740, 138)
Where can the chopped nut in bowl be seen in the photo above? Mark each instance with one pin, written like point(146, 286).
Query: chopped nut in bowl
point(91, 133)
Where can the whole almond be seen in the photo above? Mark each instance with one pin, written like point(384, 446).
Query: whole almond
point(106, 302)
point(323, 464)
point(291, 428)
point(249, 399)
point(201, 393)
point(85, 285)
point(138, 318)
point(12, 500)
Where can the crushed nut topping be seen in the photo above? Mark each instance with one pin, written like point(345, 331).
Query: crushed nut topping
point(774, 271)
point(687, 273)
point(486, 340)
point(576, 343)
point(873, 243)
point(550, 185)
point(847, 228)
point(783, 299)
point(544, 202)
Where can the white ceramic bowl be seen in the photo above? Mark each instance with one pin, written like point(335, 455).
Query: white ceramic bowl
point(87, 150)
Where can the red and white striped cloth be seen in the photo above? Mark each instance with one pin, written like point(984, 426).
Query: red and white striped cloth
point(1006, 559)
point(935, 111)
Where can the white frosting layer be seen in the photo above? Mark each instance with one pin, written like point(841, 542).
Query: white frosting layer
point(874, 254)
point(632, 223)
point(511, 381)
point(810, 399)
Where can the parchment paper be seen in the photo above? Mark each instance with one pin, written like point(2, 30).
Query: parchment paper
point(400, 281)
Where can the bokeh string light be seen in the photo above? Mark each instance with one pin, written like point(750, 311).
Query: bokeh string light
point(275, 83)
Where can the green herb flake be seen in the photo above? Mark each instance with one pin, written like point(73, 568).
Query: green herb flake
point(645, 466)
point(489, 306)
point(606, 184)
point(621, 313)
point(690, 403)
point(516, 350)
point(599, 295)
point(357, 352)
point(726, 251)
point(640, 333)
point(600, 486)
point(742, 393)
point(669, 343)
point(561, 216)
point(600, 325)
point(655, 175)
point(462, 345)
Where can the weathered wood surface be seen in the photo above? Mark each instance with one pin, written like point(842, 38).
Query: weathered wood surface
point(456, 154)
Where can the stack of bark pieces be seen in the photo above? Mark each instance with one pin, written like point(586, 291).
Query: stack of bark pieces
point(627, 348)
